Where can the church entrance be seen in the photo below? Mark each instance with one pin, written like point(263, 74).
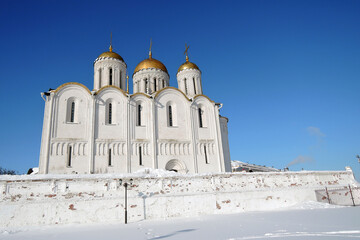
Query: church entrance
point(176, 166)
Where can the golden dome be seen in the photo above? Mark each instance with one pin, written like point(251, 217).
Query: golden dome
point(188, 65)
point(150, 63)
point(111, 54)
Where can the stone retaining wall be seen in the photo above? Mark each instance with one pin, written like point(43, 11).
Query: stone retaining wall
point(64, 199)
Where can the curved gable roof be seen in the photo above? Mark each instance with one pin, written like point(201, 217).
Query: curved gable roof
point(201, 95)
point(170, 88)
point(72, 83)
point(113, 87)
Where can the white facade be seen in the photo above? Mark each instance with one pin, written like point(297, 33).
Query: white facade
point(108, 130)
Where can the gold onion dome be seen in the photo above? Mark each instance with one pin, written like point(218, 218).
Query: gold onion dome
point(188, 65)
point(150, 63)
point(111, 54)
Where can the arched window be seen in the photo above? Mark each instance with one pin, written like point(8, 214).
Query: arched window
point(163, 83)
point(138, 114)
point(186, 89)
point(140, 156)
point(200, 112)
point(109, 159)
point(72, 112)
point(194, 85)
point(110, 114)
point(110, 76)
point(170, 116)
point(146, 85)
point(69, 156)
point(99, 72)
point(206, 157)
point(120, 83)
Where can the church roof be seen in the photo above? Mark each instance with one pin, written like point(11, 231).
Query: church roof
point(188, 65)
point(111, 54)
point(150, 63)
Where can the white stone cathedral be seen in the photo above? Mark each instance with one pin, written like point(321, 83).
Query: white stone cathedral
point(108, 130)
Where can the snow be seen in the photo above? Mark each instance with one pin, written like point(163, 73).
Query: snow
point(145, 173)
point(310, 220)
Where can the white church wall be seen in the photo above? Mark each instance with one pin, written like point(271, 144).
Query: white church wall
point(206, 142)
point(117, 162)
point(64, 199)
point(208, 129)
point(63, 128)
point(68, 142)
point(140, 130)
point(117, 129)
point(180, 131)
point(225, 143)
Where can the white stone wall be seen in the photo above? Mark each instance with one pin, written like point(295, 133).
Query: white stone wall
point(64, 199)
point(225, 143)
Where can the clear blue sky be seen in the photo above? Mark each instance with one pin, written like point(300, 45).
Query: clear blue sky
point(287, 72)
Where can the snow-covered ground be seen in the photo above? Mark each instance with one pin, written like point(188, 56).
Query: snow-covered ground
point(306, 221)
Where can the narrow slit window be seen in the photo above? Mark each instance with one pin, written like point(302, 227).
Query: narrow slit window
point(146, 85)
point(163, 83)
point(110, 114)
point(155, 84)
point(194, 85)
point(206, 157)
point(69, 156)
point(186, 89)
point(110, 76)
point(138, 115)
point(100, 77)
point(200, 118)
point(140, 156)
point(109, 160)
point(170, 117)
point(72, 112)
point(120, 84)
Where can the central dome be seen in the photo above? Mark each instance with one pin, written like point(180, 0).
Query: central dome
point(150, 63)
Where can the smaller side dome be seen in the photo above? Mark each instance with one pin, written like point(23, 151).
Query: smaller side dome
point(111, 54)
point(188, 65)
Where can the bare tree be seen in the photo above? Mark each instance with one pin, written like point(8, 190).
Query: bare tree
point(4, 171)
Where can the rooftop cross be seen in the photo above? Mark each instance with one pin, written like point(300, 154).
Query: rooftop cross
point(110, 48)
point(150, 54)
point(186, 52)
